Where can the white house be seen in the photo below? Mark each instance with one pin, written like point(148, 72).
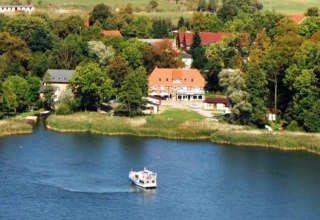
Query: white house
point(16, 8)
point(59, 80)
point(187, 60)
point(152, 106)
point(217, 104)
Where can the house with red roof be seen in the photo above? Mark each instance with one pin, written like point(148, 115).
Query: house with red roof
point(184, 39)
point(217, 104)
point(177, 84)
point(297, 18)
point(111, 33)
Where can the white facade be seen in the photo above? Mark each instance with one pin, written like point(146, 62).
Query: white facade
point(16, 8)
point(187, 62)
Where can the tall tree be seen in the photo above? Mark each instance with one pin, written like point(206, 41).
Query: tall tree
point(131, 94)
point(99, 13)
point(162, 55)
point(234, 85)
point(91, 85)
point(15, 93)
point(118, 69)
point(161, 28)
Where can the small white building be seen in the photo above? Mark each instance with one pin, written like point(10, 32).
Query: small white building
point(152, 106)
point(187, 60)
point(217, 104)
point(17, 8)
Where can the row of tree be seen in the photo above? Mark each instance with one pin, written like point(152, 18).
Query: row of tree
point(31, 44)
point(271, 65)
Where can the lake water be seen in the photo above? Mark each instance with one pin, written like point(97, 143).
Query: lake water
point(48, 175)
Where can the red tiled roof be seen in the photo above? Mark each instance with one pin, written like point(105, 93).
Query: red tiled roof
point(210, 37)
point(206, 37)
point(218, 100)
point(297, 18)
point(114, 33)
point(165, 77)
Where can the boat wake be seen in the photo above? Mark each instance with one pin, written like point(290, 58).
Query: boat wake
point(90, 190)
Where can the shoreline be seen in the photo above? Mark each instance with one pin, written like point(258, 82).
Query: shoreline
point(203, 138)
point(172, 124)
point(14, 126)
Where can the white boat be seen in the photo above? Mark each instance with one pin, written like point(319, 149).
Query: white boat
point(145, 178)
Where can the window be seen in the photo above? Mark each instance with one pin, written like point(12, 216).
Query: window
point(167, 79)
point(191, 79)
point(65, 78)
point(185, 80)
point(160, 79)
point(154, 87)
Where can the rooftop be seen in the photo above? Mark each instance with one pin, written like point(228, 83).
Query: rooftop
point(60, 76)
point(113, 33)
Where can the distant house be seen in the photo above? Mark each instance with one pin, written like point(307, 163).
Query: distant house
point(177, 84)
point(16, 8)
point(187, 60)
point(184, 39)
point(217, 104)
point(297, 18)
point(59, 80)
point(111, 33)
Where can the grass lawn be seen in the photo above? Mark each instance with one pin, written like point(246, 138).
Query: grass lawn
point(173, 123)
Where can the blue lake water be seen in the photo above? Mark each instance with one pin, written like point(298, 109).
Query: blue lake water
point(49, 175)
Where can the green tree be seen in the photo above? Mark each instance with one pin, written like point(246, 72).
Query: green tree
point(15, 92)
point(181, 23)
point(14, 55)
point(68, 53)
point(202, 5)
point(213, 5)
point(47, 99)
point(99, 13)
point(234, 85)
point(101, 52)
point(34, 30)
point(66, 103)
point(256, 86)
point(70, 25)
point(227, 12)
point(153, 4)
point(309, 26)
point(142, 79)
point(118, 69)
point(313, 11)
point(38, 64)
point(131, 94)
point(161, 28)
point(197, 52)
point(34, 85)
point(91, 85)
point(133, 51)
